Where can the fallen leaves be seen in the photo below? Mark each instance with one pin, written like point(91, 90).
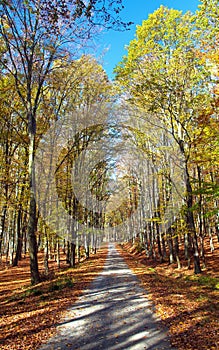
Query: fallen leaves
point(29, 315)
point(186, 305)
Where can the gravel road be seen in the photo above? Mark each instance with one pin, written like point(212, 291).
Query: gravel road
point(113, 314)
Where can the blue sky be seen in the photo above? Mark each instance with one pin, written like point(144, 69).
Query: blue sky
point(135, 11)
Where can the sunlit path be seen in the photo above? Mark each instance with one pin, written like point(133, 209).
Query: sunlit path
point(113, 314)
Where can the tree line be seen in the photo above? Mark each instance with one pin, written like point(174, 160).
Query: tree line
point(170, 75)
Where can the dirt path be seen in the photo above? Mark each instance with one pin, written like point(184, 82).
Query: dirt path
point(113, 314)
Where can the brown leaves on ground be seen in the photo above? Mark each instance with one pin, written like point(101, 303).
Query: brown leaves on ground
point(29, 314)
point(187, 304)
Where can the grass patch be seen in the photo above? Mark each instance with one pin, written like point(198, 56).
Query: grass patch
point(35, 291)
point(66, 282)
point(139, 247)
point(151, 269)
point(202, 298)
point(207, 281)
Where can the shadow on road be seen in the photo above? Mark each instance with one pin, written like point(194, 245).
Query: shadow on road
point(113, 314)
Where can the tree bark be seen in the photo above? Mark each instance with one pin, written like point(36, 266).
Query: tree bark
point(72, 255)
point(191, 224)
point(46, 254)
point(68, 253)
point(19, 238)
point(58, 253)
point(31, 232)
point(3, 219)
point(170, 245)
point(176, 248)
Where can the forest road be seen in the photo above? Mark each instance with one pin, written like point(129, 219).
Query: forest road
point(113, 314)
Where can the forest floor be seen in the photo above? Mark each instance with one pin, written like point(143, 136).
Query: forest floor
point(188, 304)
point(29, 314)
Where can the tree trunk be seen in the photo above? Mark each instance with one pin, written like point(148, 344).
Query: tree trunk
point(217, 231)
point(46, 254)
point(58, 252)
point(87, 245)
point(24, 233)
point(3, 219)
point(19, 238)
point(176, 248)
point(170, 245)
point(164, 251)
point(159, 243)
point(87, 251)
point(150, 242)
point(72, 255)
point(34, 271)
point(68, 253)
point(187, 247)
point(79, 252)
point(202, 251)
point(191, 224)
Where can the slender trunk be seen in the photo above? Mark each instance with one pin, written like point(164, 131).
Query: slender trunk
point(146, 241)
point(46, 254)
point(78, 248)
point(191, 224)
point(150, 241)
point(170, 244)
point(19, 238)
point(7, 252)
point(79, 253)
point(87, 251)
point(3, 219)
point(176, 248)
point(72, 255)
point(24, 233)
point(68, 253)
point(211, 241)
point(58, 252)
point(159, 243)
point(187, 247)
point(87, 245)
point(95, 244)
point(18, 226)
point(31, 232)
point(64, 245)
point(217, 231)
point(201, 221)
point(4, 210)
point(164, 251)
point(202, 248)
point(12, 238)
